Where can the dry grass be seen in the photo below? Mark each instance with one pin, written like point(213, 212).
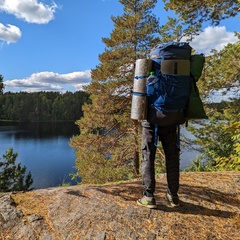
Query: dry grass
point(30, 204)
point(210, 209)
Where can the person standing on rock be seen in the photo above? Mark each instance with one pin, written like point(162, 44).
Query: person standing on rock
point(167, 89)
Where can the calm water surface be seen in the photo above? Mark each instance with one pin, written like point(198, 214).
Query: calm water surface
point(43, 148)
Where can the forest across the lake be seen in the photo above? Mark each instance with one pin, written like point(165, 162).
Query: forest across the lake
point(42, 106)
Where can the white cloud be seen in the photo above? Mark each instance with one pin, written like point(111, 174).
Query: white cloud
point(213, 38)
point(50, 81)
point(30, 11)
point(9, 33)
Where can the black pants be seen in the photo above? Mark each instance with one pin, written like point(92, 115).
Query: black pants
point(168, 136)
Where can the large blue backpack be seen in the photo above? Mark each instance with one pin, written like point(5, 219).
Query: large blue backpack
point(168, 91)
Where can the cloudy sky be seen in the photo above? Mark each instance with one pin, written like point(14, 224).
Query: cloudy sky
point(52, 45)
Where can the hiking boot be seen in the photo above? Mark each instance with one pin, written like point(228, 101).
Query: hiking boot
point(172, 200)
point(148, 202)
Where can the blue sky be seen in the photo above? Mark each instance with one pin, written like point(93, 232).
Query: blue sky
point(52, 45)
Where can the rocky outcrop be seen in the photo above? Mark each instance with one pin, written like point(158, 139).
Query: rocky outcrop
point(209, 210)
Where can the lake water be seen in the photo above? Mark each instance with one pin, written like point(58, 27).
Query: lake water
point(44, 149)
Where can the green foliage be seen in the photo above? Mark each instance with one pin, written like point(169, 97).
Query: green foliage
point(198, 11)
point(100, 170)
point(219, 141)
point(12, 175)
point(221, 149)
point(1, 84)
point(175, 30)
point(42, 106)
point(232, 161)
point(197, 166)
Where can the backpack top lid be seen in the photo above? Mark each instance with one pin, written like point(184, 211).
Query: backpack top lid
point(171, 50)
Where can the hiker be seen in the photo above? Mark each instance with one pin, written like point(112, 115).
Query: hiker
point(167, 97)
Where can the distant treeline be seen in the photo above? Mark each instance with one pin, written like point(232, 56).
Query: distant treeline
point(42, 106)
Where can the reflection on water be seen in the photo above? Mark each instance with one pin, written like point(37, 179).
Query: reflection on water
point(43, 148)
point(38, 130)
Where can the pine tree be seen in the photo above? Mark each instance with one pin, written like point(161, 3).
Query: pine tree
point(198, 11)
point(108, 147)
point(12, 175)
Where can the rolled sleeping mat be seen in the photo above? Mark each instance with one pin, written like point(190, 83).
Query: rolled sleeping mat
point(142, 70)
point(139, 106)
point(139, 97)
